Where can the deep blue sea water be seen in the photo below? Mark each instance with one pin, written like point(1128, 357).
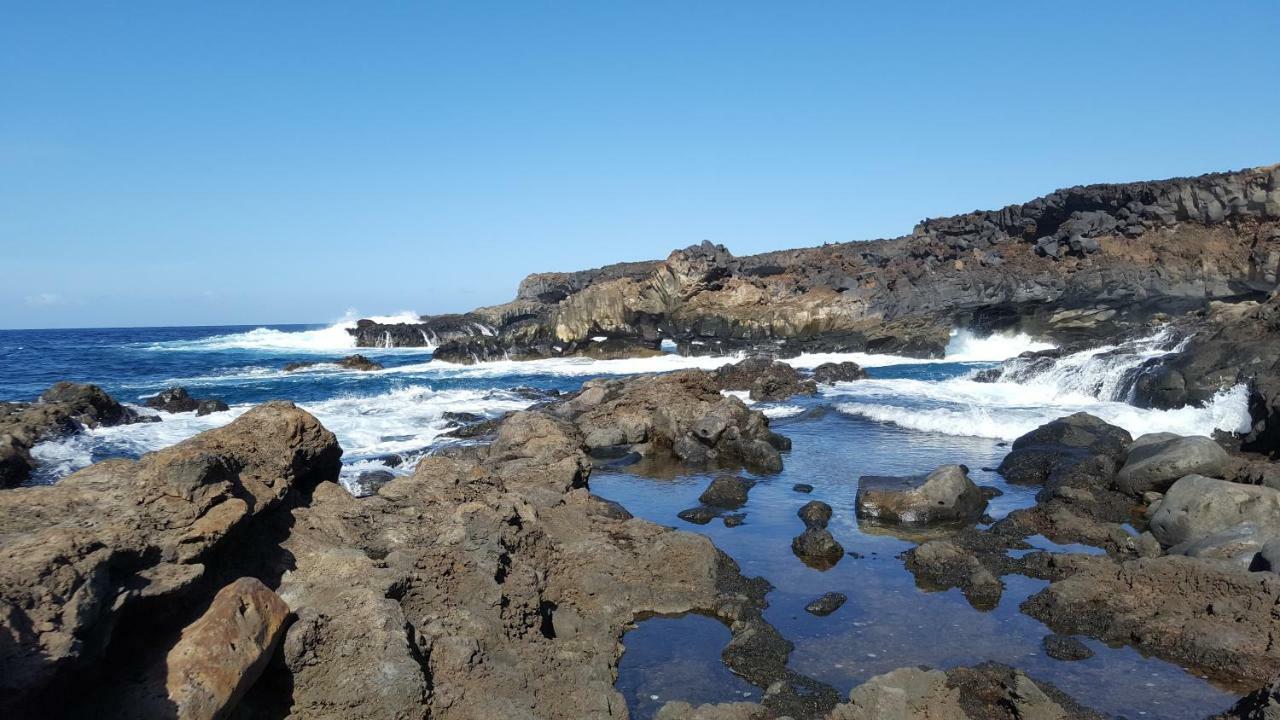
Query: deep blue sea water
point(908, 418)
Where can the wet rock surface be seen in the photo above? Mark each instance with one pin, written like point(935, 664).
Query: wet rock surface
point(817, 548)
point(946, 495)
point(64, 409)
point(350, 362)
point(764, 379)
point(831, 373)
point(727, 491)
point(815, 514)
point(178, 400)
point(827, 604)
point(1066, 648)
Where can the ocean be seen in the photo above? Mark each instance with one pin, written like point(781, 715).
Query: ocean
point(908, 417)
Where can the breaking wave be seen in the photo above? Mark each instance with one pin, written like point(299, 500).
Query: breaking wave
point(333, 338)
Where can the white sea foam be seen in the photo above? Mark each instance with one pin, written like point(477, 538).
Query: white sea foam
point(965, 346)
point(1007, 410)
point(403, 421)
point(333, 338)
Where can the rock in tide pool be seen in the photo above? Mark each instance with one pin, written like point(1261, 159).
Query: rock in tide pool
point(1155, 463)
point(815, 514)
point(1080, 450)
point(827, 604)
point(697, 515)
point(727, 491)
point(1065, 648)
point(817, 548)
point(1196, 507)
point(222, 654)
point(802, 488)
point(944, 495)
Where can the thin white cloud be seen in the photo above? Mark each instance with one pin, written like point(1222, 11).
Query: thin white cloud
point(43, 299)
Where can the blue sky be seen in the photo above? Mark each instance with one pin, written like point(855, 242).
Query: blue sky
point(248, 162)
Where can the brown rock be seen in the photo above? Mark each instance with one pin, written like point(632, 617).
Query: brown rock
point(222, 654)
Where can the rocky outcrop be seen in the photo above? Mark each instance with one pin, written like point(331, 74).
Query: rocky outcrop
point(178, 400)
point(1042, 266)
point(492, 584)
point(831, 373)
point(764, 379)
point(63, 409)
point(1205, 615)
point(681, 415)
point(946, 495)
point(427, 332)
point(1080, 450)
point(120, 538)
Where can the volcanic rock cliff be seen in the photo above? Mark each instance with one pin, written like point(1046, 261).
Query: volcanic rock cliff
point(1078, 263)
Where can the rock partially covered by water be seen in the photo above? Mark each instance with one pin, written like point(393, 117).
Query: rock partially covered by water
point(827, 604)
point(221, 655)
point(178, 400)
point(1210, 616)
point(815, 514)
point(944, 495)
point(1065, 648)
point(1155, 462)
point(64, 409)
point(831, 373)
point(765, 379)
point(727, 491)
point(939, 564)
point(817, 548)
point(350, 362)
point(1196, 507)
point(77, 556)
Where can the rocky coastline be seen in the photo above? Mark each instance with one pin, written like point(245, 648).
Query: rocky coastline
point(231, 576)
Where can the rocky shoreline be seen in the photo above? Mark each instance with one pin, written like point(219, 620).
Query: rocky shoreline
point(230, 575)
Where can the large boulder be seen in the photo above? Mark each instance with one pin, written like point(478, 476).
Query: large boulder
point(88, 405)
point(1196, 507)
point(944, 495)
point(77, 556)
point(727, 491)
point(1154, 463)
point(222, 654)
point(1078, 450)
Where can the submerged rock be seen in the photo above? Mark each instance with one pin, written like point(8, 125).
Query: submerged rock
point(1065, 648)
point(945, 495)
point(1154, 463)
point(827, 604)
point(700, 515)
point(802, 488)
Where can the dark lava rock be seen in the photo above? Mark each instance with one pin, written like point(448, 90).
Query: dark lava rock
point(945, 495)
point(831, 373)
point(392, 460)
point(1261, 704)
point(369, 482)
point(815, 514)
point(461, 418)
point(90, 405)
point(826, 604)
point(1066, 648)
point(173, 400)
point(734, 519)
point(209, 406)
point(1154, 462)
point(178, 400)
point(351, 362)
point(697, 515)
point(817, 548)
point(726, 491)
point(531, 393)
point(802, 488)
point(1078, 450)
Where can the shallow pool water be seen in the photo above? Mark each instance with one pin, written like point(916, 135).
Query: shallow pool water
point(888, 622)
